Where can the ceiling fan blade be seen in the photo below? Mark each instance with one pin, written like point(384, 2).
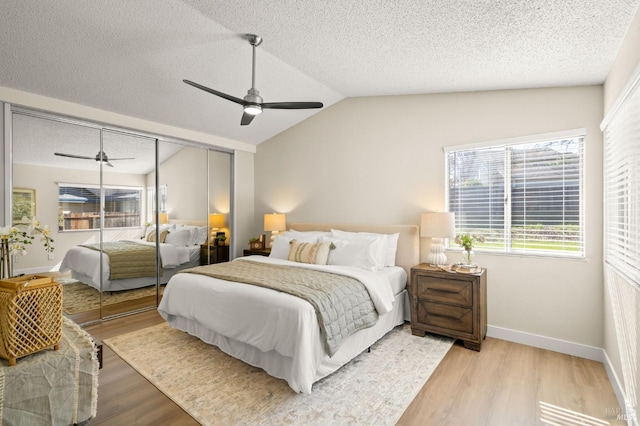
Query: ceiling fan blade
point(73, 156)
point(108, 164)
point(292, 105)
point(246, 119)
point(128, 158)
point(215, 92)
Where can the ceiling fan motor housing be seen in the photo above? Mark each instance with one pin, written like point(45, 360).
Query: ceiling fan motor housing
point(253, 96)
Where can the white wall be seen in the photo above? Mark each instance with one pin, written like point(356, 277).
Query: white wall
point(380, 160)
point(626, 62)
point(45, 181)
point(185, 174)
point(243, 185)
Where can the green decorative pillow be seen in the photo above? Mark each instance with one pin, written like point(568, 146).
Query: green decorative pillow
point(314, 253)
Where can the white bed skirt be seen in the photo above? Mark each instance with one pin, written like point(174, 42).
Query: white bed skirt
point(132, 283)
point(281, 366)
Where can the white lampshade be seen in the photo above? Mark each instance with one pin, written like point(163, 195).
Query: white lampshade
point(275, 223)
point(437, 225)
point(216, 220)
point(163, 218)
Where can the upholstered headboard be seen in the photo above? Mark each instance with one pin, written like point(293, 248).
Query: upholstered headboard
point(408, 254)
point(188, 222)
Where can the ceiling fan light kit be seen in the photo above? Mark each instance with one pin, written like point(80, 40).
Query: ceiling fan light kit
point(252, 103)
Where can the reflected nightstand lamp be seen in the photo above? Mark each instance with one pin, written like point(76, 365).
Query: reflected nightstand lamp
point(275, 222)
point(438, 226)
point(163, 218)
point(216, 221)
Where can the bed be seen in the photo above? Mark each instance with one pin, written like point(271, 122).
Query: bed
point(179, 249)
point(279, 332)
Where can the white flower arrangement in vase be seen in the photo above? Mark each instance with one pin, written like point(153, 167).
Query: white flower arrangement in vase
point(15, 239)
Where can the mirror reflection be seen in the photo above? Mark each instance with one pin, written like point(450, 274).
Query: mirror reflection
point(121, 226)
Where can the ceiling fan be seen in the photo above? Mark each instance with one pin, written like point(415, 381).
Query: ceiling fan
point(252, 102)
point(100, 157)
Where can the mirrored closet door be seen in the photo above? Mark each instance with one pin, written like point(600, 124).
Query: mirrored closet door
point(126, 211)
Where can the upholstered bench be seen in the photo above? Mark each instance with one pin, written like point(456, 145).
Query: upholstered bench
point(52, 387)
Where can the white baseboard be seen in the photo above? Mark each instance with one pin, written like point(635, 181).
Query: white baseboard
point(564, 347)
point(550, 343)
point(28, 271)
point(618, 388)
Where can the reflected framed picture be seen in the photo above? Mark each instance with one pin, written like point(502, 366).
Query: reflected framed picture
point(23, 204)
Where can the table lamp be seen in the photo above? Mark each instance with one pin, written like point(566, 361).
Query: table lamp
point(216, 221)
point(163, 218)
point(438, 226)
point(275, 222)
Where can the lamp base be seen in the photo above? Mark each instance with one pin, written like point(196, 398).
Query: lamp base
point(436, 252)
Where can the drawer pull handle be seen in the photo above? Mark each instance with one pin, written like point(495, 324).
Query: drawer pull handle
point(441, 290)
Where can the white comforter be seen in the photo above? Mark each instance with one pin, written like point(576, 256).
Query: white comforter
point(264, 319)
point(86, 261)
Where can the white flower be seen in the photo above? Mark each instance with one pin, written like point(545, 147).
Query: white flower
point(18, 238)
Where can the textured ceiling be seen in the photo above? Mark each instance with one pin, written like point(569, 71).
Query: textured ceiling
point(36, 140)
point(130, 57)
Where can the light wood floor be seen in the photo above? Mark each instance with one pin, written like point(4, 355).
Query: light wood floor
point(504, 384)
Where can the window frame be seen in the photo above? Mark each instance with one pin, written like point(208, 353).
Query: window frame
point(140, 190)
point(505, 144)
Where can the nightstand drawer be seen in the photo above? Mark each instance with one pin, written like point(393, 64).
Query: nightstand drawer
point(446, 316)
point(445, 290)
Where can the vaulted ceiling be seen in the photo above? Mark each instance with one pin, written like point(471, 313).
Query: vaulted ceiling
point(130, 57)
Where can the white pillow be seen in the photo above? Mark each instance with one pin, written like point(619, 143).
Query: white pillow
point(202, 235)
point(152, 228)
point(280, 248)
point(194, 235)
point(305, 236)
point(391, 247)
point(180, 237)
point(357, 253)
point(379, 240)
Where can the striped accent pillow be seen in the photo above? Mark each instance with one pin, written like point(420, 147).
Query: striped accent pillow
point(152, 236)
point(317, 253)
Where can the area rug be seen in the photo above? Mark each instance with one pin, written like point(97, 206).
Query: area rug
point(374, 388)
point(78, 297)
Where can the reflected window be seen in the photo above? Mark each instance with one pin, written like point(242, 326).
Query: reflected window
point(79, 207)
point(162, 202)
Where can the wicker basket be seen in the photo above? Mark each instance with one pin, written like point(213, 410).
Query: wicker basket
point(30, 315)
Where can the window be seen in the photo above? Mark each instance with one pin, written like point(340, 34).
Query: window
point(151, 202)
point(524, 197)
point(622, 188)
point(621, 129)
point(79, 207)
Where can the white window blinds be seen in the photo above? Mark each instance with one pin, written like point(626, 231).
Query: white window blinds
point(622, 188)
point(622, 230)
point(522, 197)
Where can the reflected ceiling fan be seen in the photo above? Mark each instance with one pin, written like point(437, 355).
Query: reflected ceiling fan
point(252, 103)
point(100, 157)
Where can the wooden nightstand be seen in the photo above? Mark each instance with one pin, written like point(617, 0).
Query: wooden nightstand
point(260, 252)
point(210, 254)
point(451, 304)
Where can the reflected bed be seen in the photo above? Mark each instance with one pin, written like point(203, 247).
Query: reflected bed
point(180, 249)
